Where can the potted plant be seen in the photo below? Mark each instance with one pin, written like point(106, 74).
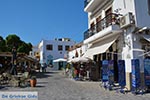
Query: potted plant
point(33, 81)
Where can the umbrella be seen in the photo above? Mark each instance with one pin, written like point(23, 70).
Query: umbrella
point(81, 59)
point(60, 60)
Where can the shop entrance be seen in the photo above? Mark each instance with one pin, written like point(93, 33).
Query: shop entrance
point(97, 59)
point(60, 65)
point(110, 57)
point(115, 68)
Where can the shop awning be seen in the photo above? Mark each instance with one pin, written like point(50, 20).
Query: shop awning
point(81, 59)
point(100, 47)
point(60, 60)
point(147, 38)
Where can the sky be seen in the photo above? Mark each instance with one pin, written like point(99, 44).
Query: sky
point(34, 20)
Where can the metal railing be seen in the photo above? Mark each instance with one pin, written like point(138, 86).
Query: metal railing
point(102, 24)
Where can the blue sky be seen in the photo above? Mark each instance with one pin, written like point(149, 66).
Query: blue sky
point(34, 20)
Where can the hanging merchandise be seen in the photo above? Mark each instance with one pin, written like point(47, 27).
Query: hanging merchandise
point(105, 77)
point(111, 72)
point(121, 76)
point(135, 75)
point(147, 71)
point(121, 73)
point(105, 70)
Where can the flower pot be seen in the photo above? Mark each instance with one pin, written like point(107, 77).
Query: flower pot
point(32, 82)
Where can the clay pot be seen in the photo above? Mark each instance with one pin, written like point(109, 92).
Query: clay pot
point(32, 82)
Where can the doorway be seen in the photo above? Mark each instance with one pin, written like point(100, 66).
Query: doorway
point(60, 64)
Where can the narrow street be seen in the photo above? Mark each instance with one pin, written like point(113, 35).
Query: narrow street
point(53, 85)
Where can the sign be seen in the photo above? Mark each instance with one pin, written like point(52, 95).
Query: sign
point(105, 70)
point(147, 71)
point(135, 73)
point(19, 95)
point(121, 73)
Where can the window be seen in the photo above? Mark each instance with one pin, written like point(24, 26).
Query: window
point(92, 28)
point(98, 24)
point(60, 47)
point(49, 47)
point(148, 2)
point(108, 17)
point(67, 47)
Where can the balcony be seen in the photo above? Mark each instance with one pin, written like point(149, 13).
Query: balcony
point(108, 24)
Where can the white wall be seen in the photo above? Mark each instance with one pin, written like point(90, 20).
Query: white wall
point(34, 50)
point(127, 51)
point(142, 15)
point(139, 8)
point(71, 54)
point(44, 53)
point(124, 6)
point(137, 52)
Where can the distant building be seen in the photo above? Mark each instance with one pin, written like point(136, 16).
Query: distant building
point(77, 51)
point(35, 53)
point(50, 50)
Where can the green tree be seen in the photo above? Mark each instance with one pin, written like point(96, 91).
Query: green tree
point(25, 48)
point(2, 44)
point(14, 41)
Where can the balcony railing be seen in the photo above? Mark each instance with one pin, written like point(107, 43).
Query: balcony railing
point(102, 24)
point(86, 2)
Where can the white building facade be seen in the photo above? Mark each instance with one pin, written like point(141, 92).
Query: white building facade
point(77, 51)
point(118, 29)
point(34, 53)
point(54, 49)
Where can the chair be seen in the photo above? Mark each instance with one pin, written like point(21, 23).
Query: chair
point(24, 80)
point(1, 79)
point(8, 77)
point(14, 81)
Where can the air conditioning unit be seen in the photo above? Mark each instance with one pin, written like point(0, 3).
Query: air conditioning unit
point(126, 20)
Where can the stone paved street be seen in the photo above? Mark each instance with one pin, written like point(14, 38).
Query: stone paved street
point(55, 86)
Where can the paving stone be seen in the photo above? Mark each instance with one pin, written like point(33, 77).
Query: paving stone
point(55, 86)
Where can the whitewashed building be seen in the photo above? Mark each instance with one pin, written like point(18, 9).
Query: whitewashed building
point(34, 53)
point(118, 29)
point(54, 49)
point(77, 51)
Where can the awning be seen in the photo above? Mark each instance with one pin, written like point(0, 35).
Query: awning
point(60, 60)
point(100, 47)
point(147, 38)
point(81, 59)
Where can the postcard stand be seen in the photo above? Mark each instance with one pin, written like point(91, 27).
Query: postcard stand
point(135, 76)
point(147, 73)
point(121, 76)
point(107, 74)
